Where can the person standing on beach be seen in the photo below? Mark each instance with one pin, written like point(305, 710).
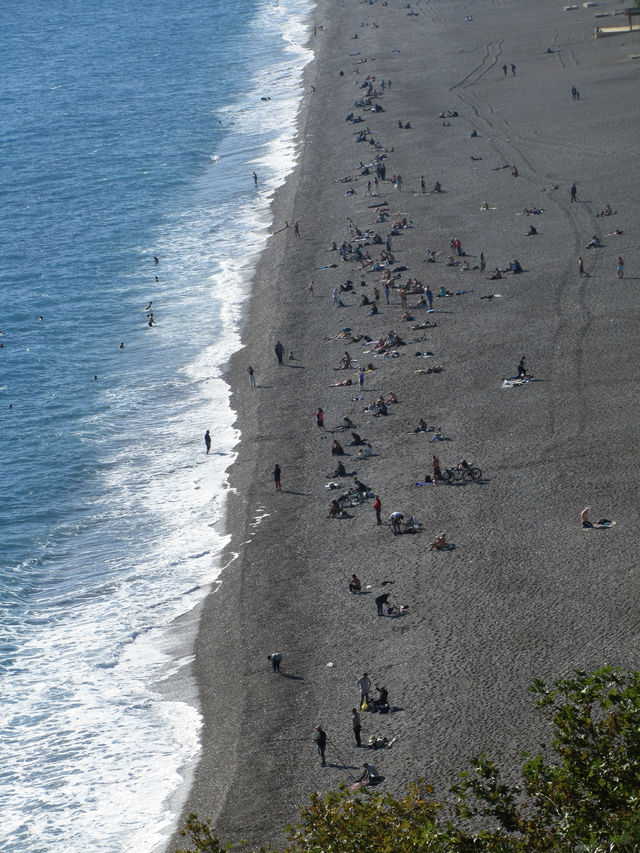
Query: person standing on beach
point(252, 377)
point(277, 473)
point(279, 351)
point(356, 725)
point(483, 262)
point(620, 267)
point(207, 441)
point(513, 70)
point(364, 684)
point(580, 266)
point(377, 505)
point(574, 192)
point(381, 600)
point(361, 377)
point(386, 293)
point(255, 179)
point(437, 472)
point(423, 186)
point(574, 93)
point(320, 739)
point(396, 519)
point(429, 297)
point(296, 228)
point(504, 68)
point(320, 418)
point(276, 660)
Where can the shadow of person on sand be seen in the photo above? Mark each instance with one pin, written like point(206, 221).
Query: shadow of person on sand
point(292, 677)
point(293, 492)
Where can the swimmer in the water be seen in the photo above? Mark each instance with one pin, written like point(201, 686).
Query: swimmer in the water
point(148, 307)
point(121, 345)
point(155, 259)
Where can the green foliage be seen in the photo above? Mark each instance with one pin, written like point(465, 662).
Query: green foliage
point(579, 795)
point(344, 822)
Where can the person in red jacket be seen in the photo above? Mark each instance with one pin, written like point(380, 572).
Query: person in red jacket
point(377, 505)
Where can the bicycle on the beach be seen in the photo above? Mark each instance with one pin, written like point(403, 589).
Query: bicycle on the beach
point(466, 474)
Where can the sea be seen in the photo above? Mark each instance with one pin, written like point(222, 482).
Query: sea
point(130, 132)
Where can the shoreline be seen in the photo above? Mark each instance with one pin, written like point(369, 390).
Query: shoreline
point(512, 602)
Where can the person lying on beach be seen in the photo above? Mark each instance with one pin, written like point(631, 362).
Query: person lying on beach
point(616, 233)
point(423, 427)
point(531, 211)
point(439, 542)
point(496, 275)
point(337, 449)
point(354, 584)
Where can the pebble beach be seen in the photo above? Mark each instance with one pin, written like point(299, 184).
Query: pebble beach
point(477, 97)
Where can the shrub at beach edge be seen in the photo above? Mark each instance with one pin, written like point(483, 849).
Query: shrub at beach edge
point(581, 793)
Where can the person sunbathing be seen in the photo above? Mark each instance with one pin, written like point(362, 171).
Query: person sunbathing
point(438, 543)
point(496, 275)
point(345, 362)
point(422, 426)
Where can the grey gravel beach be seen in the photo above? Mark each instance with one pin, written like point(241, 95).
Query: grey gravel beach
point(526, 592)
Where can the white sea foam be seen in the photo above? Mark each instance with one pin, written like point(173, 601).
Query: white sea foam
point(95, 740)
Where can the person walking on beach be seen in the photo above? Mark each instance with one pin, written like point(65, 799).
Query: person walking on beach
point(386, 293)
point(574, 93)
point(207, 441)
point(574, 192)
point(381, 600)
point(483, 262)
point(296, 228)
point(255, 179)
point(620, 267)
point(504, 68)
point(437, 472)
point(364, 685)
point(423, 186)
point(377, 505)
point(361, 377)
point(580, 266)
point(277, 473)
point(320, 739)
point(356, 725)
point(513, 70)
point(320, 418)
point(279, 351)
point(252, 377)
point(276, 660)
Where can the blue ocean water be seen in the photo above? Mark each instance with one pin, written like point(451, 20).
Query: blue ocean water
point(129, 131)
